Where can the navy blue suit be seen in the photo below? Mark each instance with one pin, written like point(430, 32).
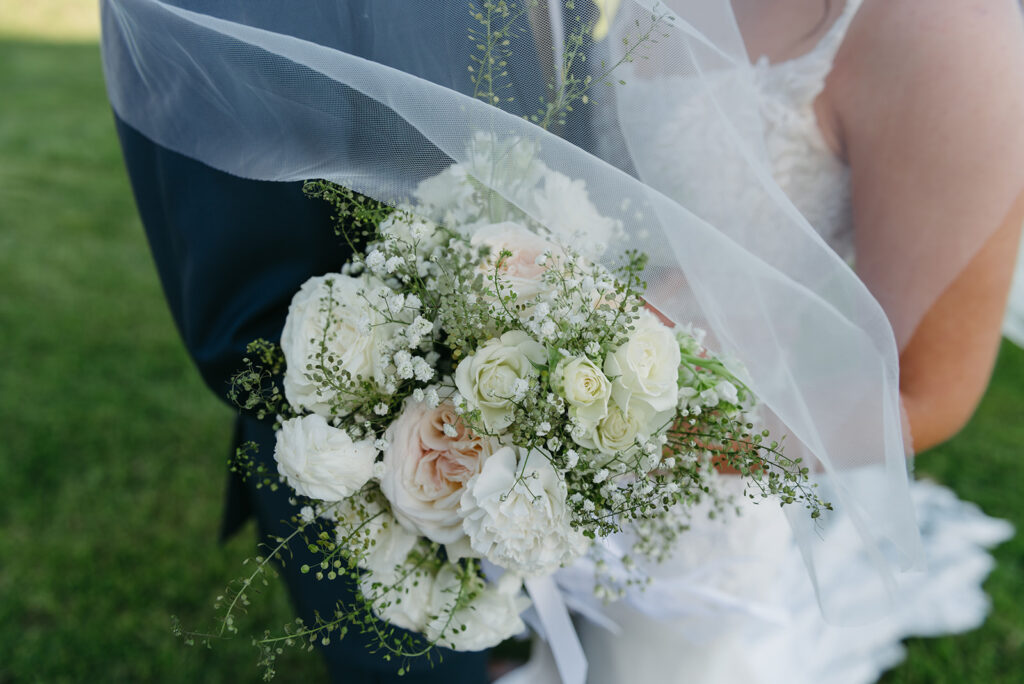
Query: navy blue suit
point(232, 252)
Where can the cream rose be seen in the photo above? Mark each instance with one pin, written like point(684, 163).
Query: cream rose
point(516, 516)
point(646, 367)
point(487, 378)
point(490, 617)
point(425, 469)
point(320, 461)
point(520, 271)
point(351, 332)
point(586, 389)
point(620, 429)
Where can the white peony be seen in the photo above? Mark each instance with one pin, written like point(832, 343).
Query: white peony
point(521, 271)
point(489, 379)
point(491, 616)
point(564, 207)
point(331, 310)
point(646, 367)
point(320, 461)
point(430, 456)
point(516, 516)
point(586, 389)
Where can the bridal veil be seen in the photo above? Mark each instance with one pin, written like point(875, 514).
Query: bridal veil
point(339, 90)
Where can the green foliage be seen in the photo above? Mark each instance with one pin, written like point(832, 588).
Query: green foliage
point(493, 40)
point(253, 388)
point(355, 216)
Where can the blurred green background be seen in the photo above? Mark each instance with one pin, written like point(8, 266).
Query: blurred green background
point(112, 452)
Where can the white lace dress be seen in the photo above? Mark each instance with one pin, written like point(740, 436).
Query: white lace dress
point(756, 617)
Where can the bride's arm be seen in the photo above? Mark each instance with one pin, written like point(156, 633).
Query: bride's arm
point(945, 367)
point(926, 102)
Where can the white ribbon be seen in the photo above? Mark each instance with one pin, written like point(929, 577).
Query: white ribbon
point(558, 629)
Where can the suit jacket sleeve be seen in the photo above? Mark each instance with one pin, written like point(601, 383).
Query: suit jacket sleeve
point(230, 252)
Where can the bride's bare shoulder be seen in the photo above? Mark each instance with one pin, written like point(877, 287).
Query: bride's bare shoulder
point(894, 21)
point(948, 41)
point(903, 61)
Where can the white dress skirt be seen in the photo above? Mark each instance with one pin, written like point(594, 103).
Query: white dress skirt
point(765, 623)
point(774, 630)
point(1013, 327)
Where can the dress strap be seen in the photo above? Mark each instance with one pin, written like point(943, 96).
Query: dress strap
point(828, 46)
point(803, 78)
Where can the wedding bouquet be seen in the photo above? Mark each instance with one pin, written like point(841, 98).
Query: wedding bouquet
point(481, 396)
point(474, 401)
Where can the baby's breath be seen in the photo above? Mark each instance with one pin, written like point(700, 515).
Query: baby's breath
point(433, 299)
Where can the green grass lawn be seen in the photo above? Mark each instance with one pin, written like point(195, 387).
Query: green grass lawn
point(112, 453)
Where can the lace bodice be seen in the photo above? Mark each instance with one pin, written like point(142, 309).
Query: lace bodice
point(678, 153)
point(806, 168)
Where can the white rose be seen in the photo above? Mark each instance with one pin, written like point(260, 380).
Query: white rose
point(619, 430)
point(520, 271)
point(646, 367)
point(490, 617)
point(488, 379)
point(351, 333)
point(582, 384)
point(402, 596)
point(722, 391)
point(564, 207)
point(516, 516)
point(320, 461)
point(426, 468)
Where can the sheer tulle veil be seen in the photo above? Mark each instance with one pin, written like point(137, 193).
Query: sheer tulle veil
point(341, 90)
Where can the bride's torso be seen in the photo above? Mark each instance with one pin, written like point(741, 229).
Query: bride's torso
point(802, 162)
point(678, 154)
